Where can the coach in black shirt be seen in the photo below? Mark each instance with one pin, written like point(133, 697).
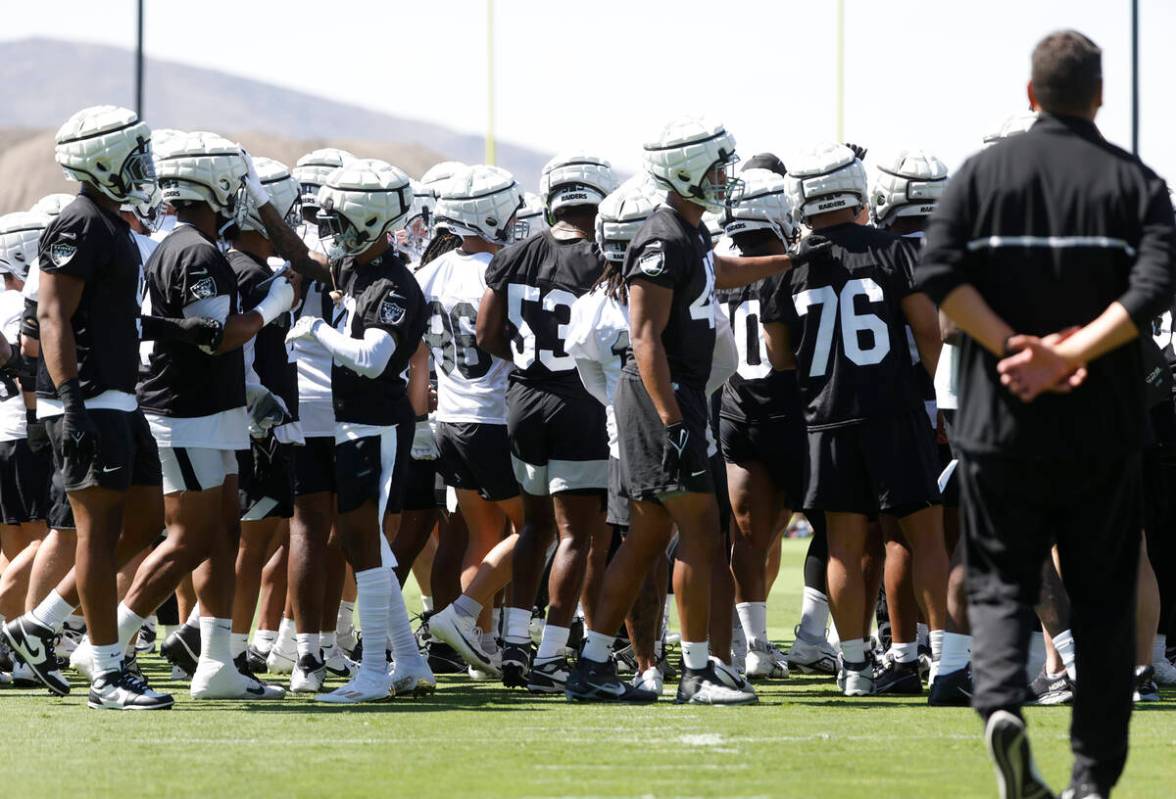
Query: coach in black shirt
point(1052, 250)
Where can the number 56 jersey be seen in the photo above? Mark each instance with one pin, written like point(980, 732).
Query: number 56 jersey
point(847, 327)
point(471, 383)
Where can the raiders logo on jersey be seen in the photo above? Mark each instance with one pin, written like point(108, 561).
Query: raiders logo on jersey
point(652, 262)
point(62, 252)
point(203, 288)
point(392, 309)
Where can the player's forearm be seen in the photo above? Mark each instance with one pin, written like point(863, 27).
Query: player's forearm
point(290, 246)
point(1112, 329)
point(490, 330)
point(732, 273)
point(655, 376)
point(964, 306)
point(239, 329)
point(418, 380)
point(57, 347)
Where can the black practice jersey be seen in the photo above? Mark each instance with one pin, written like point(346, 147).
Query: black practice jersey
point(541, 278)
point(848, 329)
point(1162, 334)
point(667, 251)
point(95, 245)
point(384, 295)
point(756, 392)
point(272, 357)
point(187, 271)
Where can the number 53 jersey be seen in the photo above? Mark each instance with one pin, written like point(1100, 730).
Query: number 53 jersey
point(847, 327)
point(471, 383)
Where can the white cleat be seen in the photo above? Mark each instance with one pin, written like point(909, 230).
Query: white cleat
point(650, 680)
point(730, 676)
point(81, 659)
point(214, 680)
point(364, 687)
point(178, 674)
point(765, 661)
point(1165, 672)
point(281, 660)
point(461, 633)
point(491, 673)
point(413, 678)
point(812, 657)
point(339, 665)
point(855, 682)
point(308, 676)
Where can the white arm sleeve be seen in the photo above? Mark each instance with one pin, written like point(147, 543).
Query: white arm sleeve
point(252, 381)
point(592, 376)
point(367, 356)
point(726, 358)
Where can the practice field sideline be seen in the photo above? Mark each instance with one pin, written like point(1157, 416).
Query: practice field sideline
point(804, 740)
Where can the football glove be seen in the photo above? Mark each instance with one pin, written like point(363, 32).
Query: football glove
point(680, 461)
point(812, 248)
point(424, 442)
point(303, 328)
point(79, 434)
point(266, 411)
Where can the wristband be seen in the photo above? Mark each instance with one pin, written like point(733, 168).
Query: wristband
point(277, 302)
point(70, 392)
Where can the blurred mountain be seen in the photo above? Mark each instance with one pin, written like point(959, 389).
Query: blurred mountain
point(43, 81)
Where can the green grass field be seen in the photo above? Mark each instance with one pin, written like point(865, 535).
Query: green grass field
point(478, 740)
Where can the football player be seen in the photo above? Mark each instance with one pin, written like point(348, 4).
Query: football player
point(471, 411)
point(359, 205)
point(843, 319)
point(559, 446)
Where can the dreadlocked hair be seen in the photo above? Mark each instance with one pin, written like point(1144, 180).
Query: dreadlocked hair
point(445, 241)
point(613, 282)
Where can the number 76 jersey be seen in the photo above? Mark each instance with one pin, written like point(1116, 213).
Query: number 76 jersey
point(847, 327)
point(471, 383)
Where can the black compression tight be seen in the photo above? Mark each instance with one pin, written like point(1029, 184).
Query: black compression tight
point(818, 554)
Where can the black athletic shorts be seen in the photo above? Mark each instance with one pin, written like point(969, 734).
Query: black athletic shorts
point(126, 453)
point(887, 466)
point(558, 443)
point(314, 466)
point(60, 511)
point(779, 445)
point(476, 457)
point(373, 467)
point(423, 488)
point(24, 474)
point(266, 482)
point(641, 440)
point(617, 509)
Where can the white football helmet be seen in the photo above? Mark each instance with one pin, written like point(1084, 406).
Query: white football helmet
point(827, 178)
point(20, 233)
point(312, 169)
point(205, 168)
point(418, 225)
point(51, 204)
point(284, 193)
point(531, 217)
point(480, 201)
point(763, 205)
point(574, 178)
point(622, 213)
point(683, 156)
point(1017, 123)
point(109, 148)
point(359, 203)
point(436, 175)
point(909, 184)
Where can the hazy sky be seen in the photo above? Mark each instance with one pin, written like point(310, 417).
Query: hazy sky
point(605, 74)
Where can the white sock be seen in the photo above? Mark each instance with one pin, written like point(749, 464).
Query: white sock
point(496, 621)
point(263, 640)
point(814, 613)
point(738, 635)
point(76, 621)
point(552, 644)
point(327, 642)
point(129, 623)
point(373, 587)
point(346, 618)
point(106, 658)
point(193, 619)
point(52, 611)
point(853, 651)
point(238, 642)
point(404, 643)
point(753, 617)
point(1160, 648)
point(215, 640)
point(308, 644)
point(904, 653)
point(284, 643)
point(696, 654)
point(426, 603)
point(489, 645)
point(467, 607)
point(1064, 643)
point(518, 626)
point(597, 646)
point(936, 645)
point(957, 651)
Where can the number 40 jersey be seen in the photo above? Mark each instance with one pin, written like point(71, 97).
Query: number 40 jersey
point(471, 383)
point(848, 329)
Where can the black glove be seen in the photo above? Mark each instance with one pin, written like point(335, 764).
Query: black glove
point(199, 331)
point(37, 437)
point(812, 248)
point(858, 151)
point(679, 460)
point(79, 435)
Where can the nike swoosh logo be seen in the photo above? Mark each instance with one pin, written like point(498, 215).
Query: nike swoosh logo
point(698, 474)
point(256, 690)
point(34, 650)
point(615, 690)
point(108, 469)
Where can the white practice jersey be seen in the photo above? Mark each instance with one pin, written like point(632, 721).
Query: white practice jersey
point(12, 407)
point(315, 411)
point(471, 383)
point(598, 338)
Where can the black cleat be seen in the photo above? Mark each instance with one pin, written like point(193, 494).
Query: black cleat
point(122, 690)
point(255, 660)
point(1008, 746)
point(516, 662)
point(182, 649)
point(591, 681)
point(954, 689)
point(1047, 690)
point(704, 687)
point(443, 659)
point(1146, 689)
point(5, 655)
point(32, 642)
point(549, 677)
point(898, 678)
